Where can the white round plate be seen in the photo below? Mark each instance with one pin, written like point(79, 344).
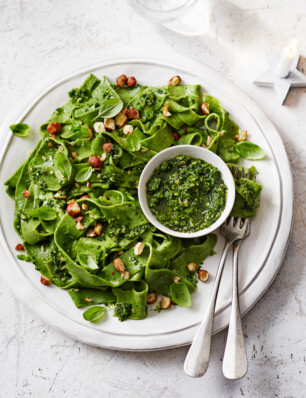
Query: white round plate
point(260, 256)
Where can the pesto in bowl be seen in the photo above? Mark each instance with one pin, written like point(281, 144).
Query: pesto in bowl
point(186, 194)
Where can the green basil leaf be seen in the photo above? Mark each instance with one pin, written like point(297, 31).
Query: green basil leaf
point(20, 129)
point(250, 151)
point(63, 164)
point(94, 314)
point(180, 294)
point(84, 174)
point(43, 212)
point(110, 107)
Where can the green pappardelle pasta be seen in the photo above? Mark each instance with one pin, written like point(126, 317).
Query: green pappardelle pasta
point(76, 203)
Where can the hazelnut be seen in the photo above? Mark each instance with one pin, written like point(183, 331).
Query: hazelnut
point(124, 110)
point(131, 81)
point(205, 108)
point(176, 278)
point(107, 146)
point(95, 162)
point(45, 281)
point(192, 267)
point(151, 298)
point(74, 155)
point(98, 229)
point(165, 302)
point(128, 129)
point(84, 206)
point(176, 136)
point(78, 219)
point(242, 136)
point(59, 195)
point(121, 80)
point(26, 193)
point(138, 248)
point(120, 120)
point(19, 247)
point(166, 112)
point(126, 275)
point(119, 265)
point(80, 226)
point(54, 128)
point(203, 275)
point(174, 81)
point(103, 157)
point(73, 209)
point(99, 127)
point(91, 233)
point(209, 140)
point(109, 124)
point(132, 114)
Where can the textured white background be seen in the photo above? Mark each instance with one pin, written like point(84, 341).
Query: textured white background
point(35, 359)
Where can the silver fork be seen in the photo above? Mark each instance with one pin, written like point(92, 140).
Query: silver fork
point(235, 363)
point(197, 360)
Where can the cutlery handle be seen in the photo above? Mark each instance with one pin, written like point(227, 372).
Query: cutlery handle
point(196, 362)
point(235, 363)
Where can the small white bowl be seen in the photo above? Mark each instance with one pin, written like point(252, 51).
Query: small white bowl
point(194, 152)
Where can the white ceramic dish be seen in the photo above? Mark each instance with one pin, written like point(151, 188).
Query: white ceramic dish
point(260, 256)
point(195, 152)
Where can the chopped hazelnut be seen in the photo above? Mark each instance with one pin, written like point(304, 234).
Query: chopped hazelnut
point(128, 129)
point(131, 81)
point(126, 275)
point(192, 267)
point(165, 302)
point(205, 108)
point(99, 127)
point(132, 114)
point(95, 162)
point(54, 128)
point(119, 265)
point(166, 112)
point(98, 229)
point(120, 120)
point(107, 146)
point(138, 248)
point(176, 278)
point(174, 81)
point(26, 193)
point(209, 140)
point(73, 209)
point(109, 124)
point(203, 275)
point(151, 298)
point(121, 80)
point(45, 281)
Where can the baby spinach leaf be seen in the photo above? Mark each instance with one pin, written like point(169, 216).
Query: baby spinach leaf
point(63, 164)
point(20, 129)
point(94, 314)
point(84, 174)
point(110, 107)
point(250, 151)
point(180, 294)
point(44, 213)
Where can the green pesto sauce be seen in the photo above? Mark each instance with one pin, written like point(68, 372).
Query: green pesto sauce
point(186, 194)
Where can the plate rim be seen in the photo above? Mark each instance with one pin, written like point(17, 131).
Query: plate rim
point(68, 70)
